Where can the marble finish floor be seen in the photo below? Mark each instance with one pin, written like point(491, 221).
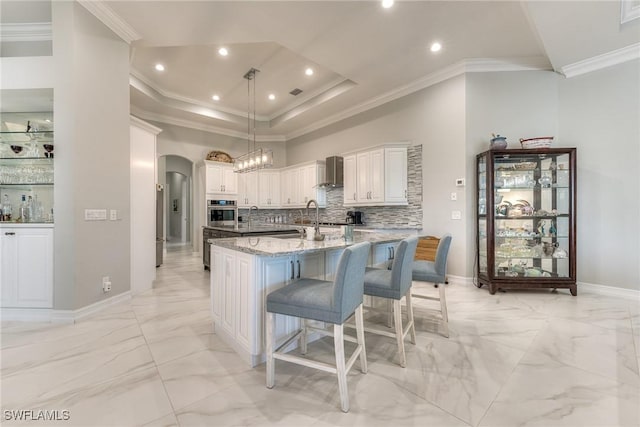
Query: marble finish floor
point(513, 359)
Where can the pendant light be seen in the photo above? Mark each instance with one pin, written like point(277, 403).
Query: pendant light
point(256, 158)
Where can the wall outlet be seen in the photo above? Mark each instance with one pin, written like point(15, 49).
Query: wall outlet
point(456, 215)
point(106, 284)
point(113, 214)
point(454, 196)
point(460, 182)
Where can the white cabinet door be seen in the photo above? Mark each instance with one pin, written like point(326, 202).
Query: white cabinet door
point(310, 177)
point(227, 297)
point(310, 265)
point(247, 189)
point(290, 189)
point(246, 324)
point(382, 255)
point(395, 183)
point(26, 267)
point(350, 179)
point(376, 176)
point(363, 167)
point(229, 180)
point(217, 282)
point(269, 189)
point(214, 178)
point(276, 273)
point(220, 178)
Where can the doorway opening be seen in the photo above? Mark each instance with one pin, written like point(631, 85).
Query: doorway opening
point(178, 203)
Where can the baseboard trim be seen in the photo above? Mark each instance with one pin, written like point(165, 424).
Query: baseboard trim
point(613, 291)
point(61, 316)
point(591, 288)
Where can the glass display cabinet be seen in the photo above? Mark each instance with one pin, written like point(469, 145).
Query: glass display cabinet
point(26, 169)
point(525, 214)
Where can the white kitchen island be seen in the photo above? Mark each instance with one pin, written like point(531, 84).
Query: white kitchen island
point(245, 269)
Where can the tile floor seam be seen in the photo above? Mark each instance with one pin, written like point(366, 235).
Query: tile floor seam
point(164, 387)
point(515, 366)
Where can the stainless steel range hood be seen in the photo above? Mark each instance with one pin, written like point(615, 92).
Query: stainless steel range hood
point(334, 176)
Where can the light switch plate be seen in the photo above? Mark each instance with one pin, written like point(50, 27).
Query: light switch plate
point(113, 215)
point(454, 196)
point(456, 215)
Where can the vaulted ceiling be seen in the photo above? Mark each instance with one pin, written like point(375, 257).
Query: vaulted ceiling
point(361, 54)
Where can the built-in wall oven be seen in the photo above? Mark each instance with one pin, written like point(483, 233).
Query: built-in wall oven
point(222, 212)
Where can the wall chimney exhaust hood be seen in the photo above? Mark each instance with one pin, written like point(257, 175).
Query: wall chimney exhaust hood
point(334, 176)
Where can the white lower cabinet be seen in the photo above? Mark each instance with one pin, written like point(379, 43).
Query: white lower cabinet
point(239, 285)
point(26, 267)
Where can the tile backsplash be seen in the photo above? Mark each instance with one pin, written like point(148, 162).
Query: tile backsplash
point(374, 216)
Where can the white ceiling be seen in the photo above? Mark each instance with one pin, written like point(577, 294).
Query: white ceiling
point(363, 55)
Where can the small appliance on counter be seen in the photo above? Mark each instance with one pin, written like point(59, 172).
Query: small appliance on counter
point(354, 217)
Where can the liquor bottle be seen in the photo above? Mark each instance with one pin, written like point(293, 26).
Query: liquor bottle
point(24, 210)
point(31, 210)
point(6, 208)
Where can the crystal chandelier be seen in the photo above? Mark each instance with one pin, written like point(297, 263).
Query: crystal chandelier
point(256, 158)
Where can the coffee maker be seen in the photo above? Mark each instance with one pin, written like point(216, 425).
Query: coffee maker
point(354, 217)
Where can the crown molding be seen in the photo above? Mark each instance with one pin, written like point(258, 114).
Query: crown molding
point(615, 57)
point(461, 67)
point(104, 13)
point(629, 10)
point(144, 125)
point(26, 32)
point(142, 114)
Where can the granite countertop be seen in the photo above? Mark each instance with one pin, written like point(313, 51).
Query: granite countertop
point(258, 228)
point(273, 246)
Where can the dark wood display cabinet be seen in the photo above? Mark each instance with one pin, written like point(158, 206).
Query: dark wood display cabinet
point(526, 222)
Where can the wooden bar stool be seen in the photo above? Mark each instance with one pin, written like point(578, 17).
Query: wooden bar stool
point(325, 301)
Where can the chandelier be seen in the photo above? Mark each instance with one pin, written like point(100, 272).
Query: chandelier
point(256, 158)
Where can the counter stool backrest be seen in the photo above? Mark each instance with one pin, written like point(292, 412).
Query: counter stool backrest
point(441, 255)
point(401, 269)
point(348, 283)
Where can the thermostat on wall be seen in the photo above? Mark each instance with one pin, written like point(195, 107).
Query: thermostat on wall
point(460, 182)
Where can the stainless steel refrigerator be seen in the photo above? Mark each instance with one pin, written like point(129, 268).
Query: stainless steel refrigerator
point(159, 223)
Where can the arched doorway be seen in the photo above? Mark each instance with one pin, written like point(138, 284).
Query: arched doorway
point(178, 204)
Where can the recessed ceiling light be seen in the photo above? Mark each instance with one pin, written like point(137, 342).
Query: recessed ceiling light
point(309, 71)
point(435, 47)
point(387, 3)
point(272, 97)
point(223, 51)
point(159, 67)
point(215, 98)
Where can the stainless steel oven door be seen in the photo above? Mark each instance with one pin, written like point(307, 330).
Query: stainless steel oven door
point(222, 213)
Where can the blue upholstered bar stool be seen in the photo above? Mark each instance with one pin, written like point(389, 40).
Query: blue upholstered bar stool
point(435, 272)
point(394, 284)
point(325, 301)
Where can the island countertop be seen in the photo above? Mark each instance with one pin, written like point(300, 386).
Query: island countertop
point(276, 246)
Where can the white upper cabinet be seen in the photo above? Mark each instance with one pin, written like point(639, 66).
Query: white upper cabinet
point(269, 189)
point(248, 189)
point(376, 177)
point(220, 178)
point(300, 184)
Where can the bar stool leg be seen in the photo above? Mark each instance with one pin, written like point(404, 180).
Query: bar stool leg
point(360, 336)
point(338, 341)
point(443, 308)
point(412, 325)
point(397, 312)
point(303, 337)
point(271, 371)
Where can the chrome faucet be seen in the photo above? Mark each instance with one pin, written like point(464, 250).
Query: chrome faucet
point(317, 226)
point(250, 209)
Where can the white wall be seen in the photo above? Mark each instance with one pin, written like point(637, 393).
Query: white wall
point(92, 170)
point(433, 117)
point(522, 104)
point(600, 114)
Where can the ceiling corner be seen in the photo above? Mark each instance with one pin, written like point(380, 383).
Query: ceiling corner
point(108, 17)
